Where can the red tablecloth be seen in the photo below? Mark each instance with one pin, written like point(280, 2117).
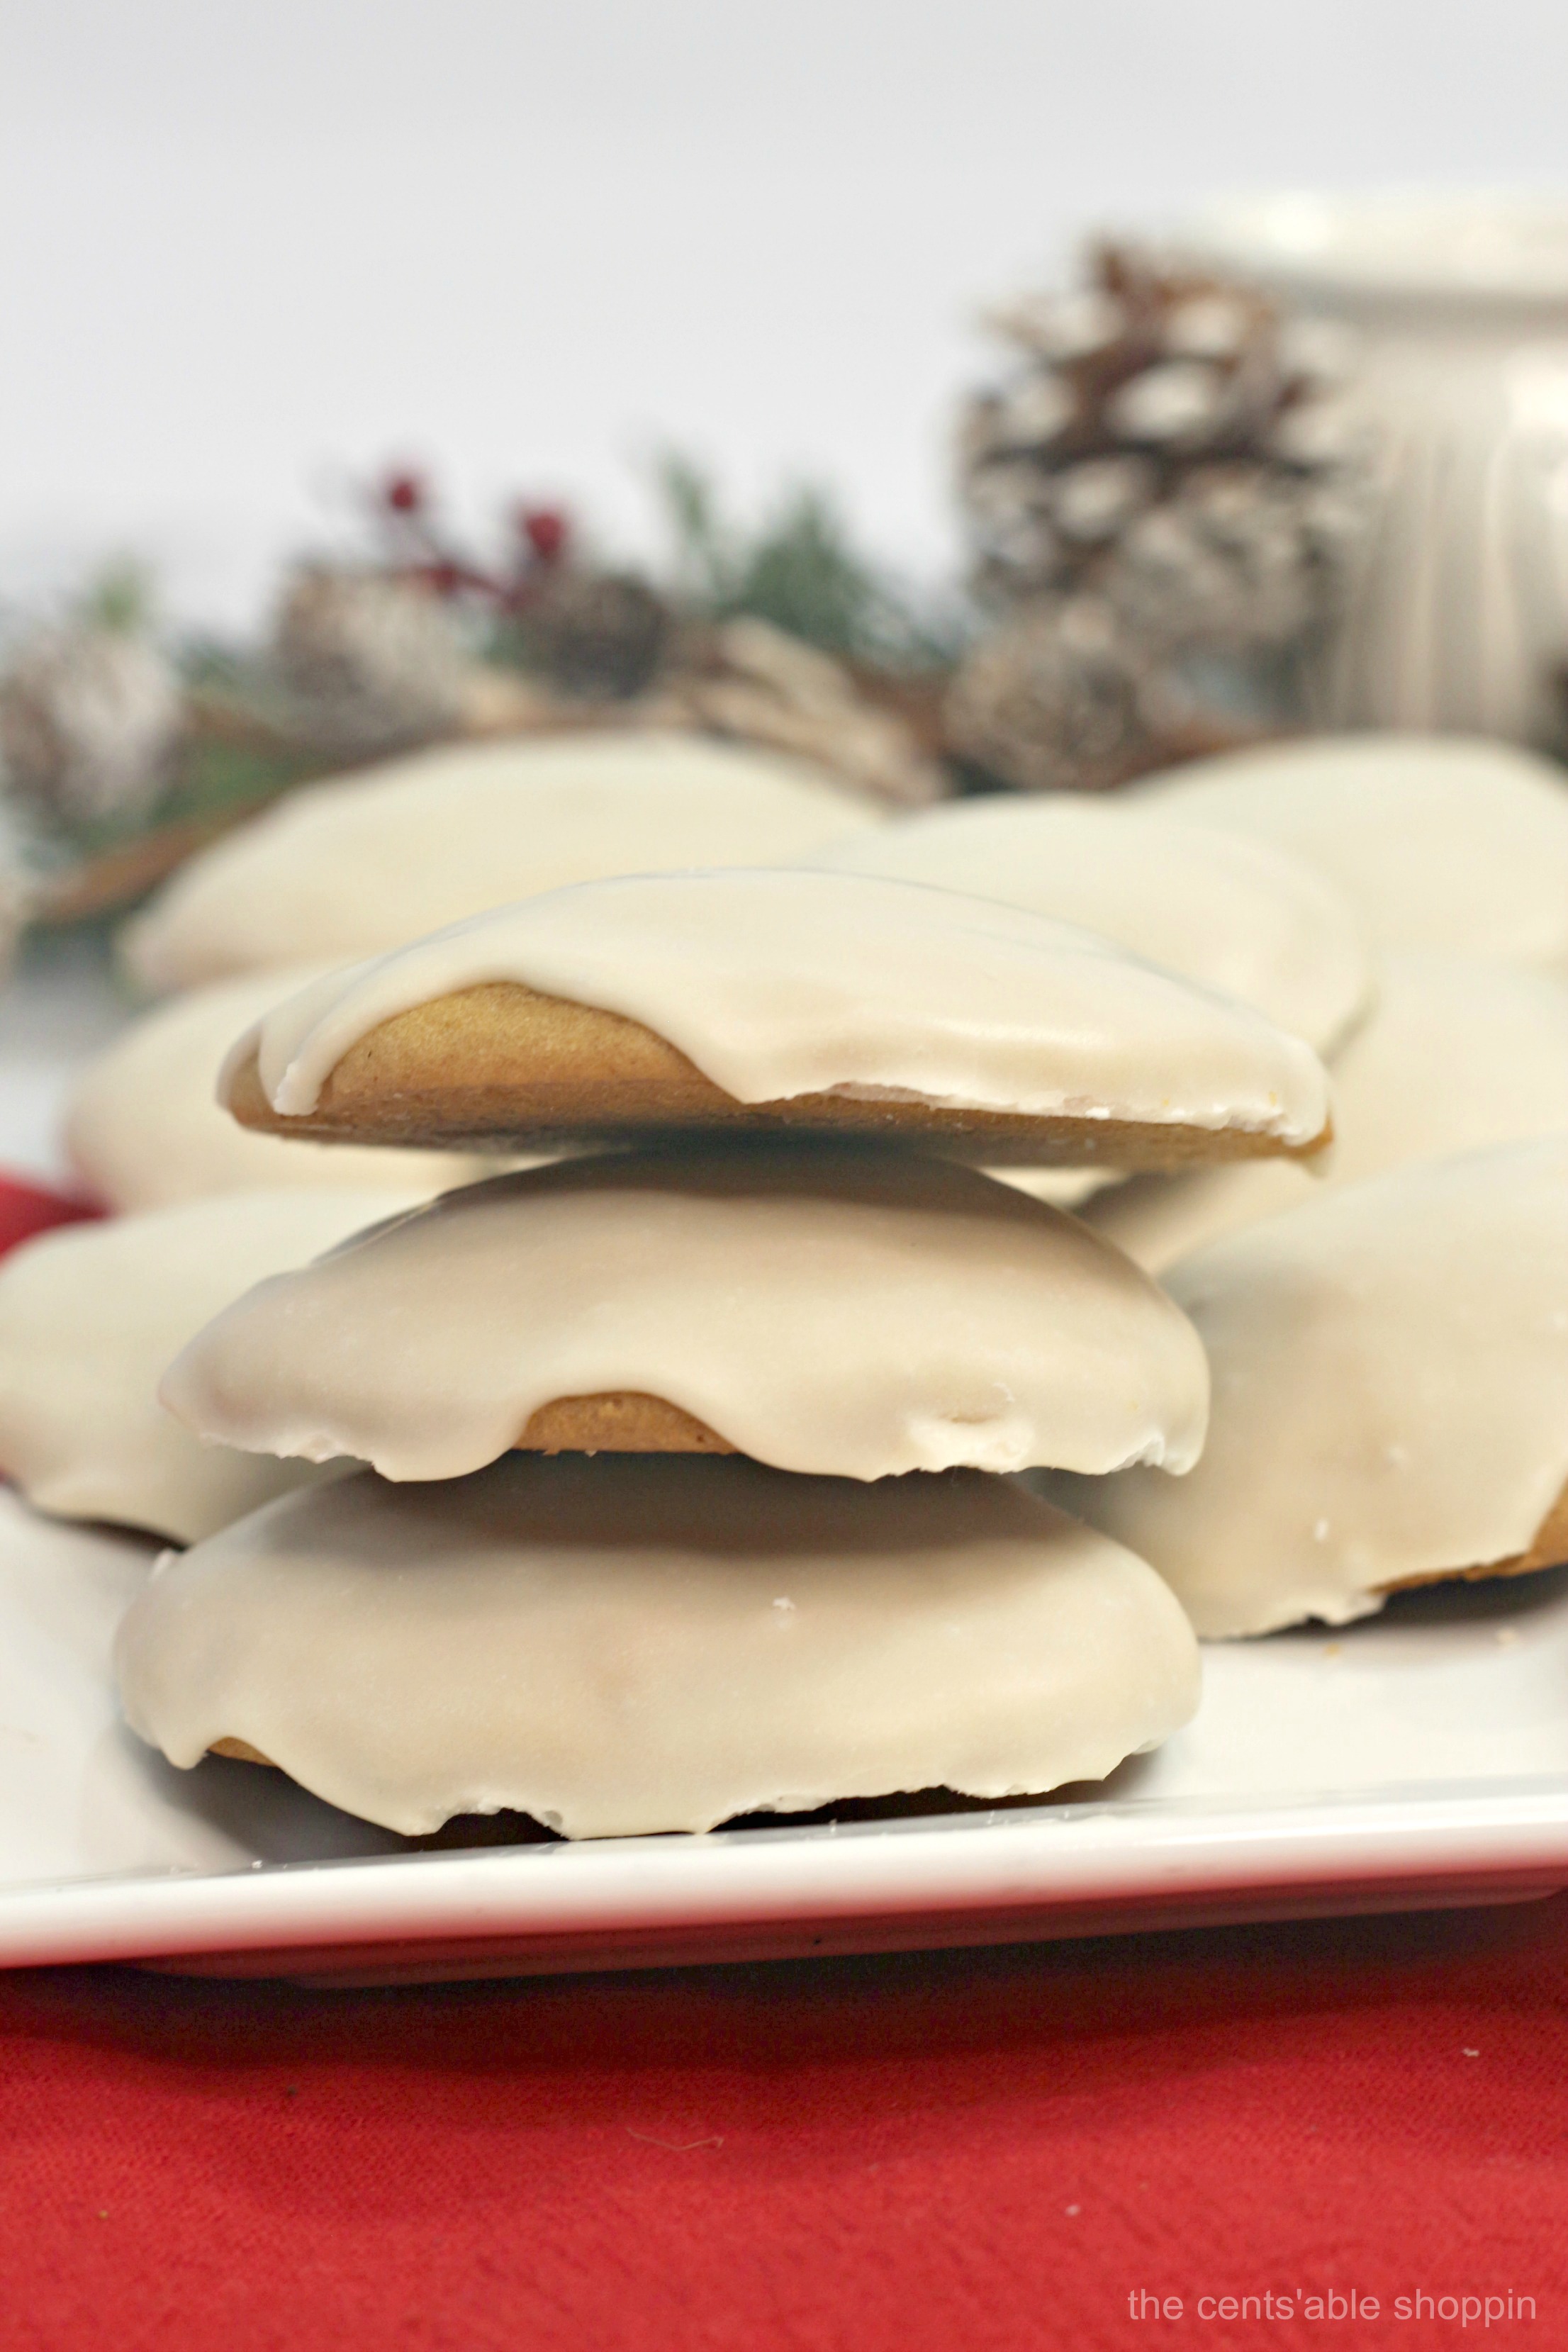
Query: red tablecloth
point(948, 2153)
point(1089, 2145)
point(29, 1209)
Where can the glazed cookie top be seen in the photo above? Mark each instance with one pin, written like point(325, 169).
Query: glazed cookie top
point(782, 984)
point(1438, 841)
point(1459, 1052)
point(829, 1310)
point(145, 1130)
point(1390, 1368)
point(648, 1644)
point(357, 864)
point(1228, 913)
point(89, 1318)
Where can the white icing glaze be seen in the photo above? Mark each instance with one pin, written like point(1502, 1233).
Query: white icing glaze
point(839, 1312)
point(358, 864)
point(89, 1318)
point(644, 1643)
point(145, 1130)
point(1226, 912)
point(784, 983)
point(1459, 1052)
point(1390, 1371)
point(1440, 841)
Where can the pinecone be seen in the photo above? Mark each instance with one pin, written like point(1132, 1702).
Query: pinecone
point(1059, 697)
point(600, 635)
point(91, 716)
point(1172, 451)
point(369, 662)
point(756, 684)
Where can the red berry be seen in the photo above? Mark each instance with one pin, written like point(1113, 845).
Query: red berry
point(404, 493)
point(546, 531)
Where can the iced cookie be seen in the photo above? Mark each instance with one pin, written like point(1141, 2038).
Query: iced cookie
point(654, 1643)
point(145, 1130)
point(360, 864)
point(1459, 1052)
point(1390, 1370)
point(89, 1318)
point(1438, 841)
point(758, 999)
point(844, 1312)
point(1226, 912)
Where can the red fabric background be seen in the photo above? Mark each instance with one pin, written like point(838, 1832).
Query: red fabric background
point(976, 2150)
point(970, 2150)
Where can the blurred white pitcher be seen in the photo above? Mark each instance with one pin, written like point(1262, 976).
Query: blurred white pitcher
point(1458, 614)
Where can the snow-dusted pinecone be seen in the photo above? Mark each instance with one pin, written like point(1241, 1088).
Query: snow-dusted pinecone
point(91, 716)
point(369, 662)
point(1169, 444)
point(756, 684)
point(1060, 696)
point(601, 635)
point(1171, 458)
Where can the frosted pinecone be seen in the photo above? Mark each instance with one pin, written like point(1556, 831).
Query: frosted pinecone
point(91, 716)
point(759, 685)
point(1059, 697)
point(369, 662)
point(1168, 444)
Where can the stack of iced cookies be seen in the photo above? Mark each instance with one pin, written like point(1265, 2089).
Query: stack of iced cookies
point(692, 1455)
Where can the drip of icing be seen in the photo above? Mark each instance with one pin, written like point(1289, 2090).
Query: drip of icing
point(777, 984)
point(1226, 913)
point(829, 1311)
point(1390, 1368)
point(600, 1643)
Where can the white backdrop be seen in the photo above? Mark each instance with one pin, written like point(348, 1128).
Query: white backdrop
point(248, 247)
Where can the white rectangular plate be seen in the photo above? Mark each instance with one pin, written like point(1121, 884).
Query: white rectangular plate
point(1419, 1759)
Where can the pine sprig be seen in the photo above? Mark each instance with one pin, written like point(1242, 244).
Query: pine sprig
point(799, 569)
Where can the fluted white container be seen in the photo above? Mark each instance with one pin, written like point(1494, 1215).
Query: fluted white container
point(1458, 619)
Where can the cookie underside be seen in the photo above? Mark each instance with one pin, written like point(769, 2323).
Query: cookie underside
point(621, 1421)
point(498, 1066)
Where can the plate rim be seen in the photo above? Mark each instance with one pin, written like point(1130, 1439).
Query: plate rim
point(1003, 1877)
